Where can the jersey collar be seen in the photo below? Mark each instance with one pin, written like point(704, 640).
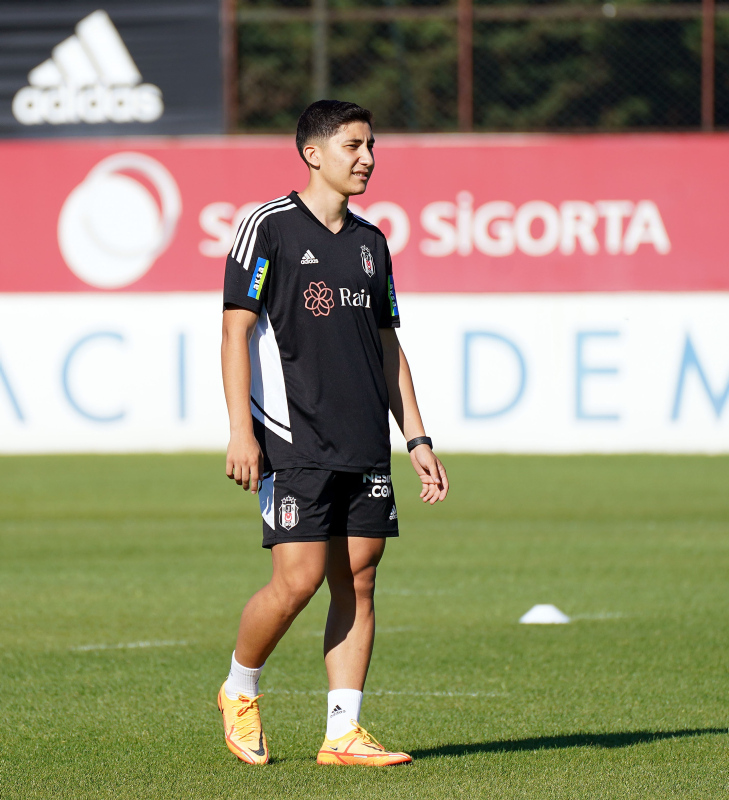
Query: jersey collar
point(294, 197)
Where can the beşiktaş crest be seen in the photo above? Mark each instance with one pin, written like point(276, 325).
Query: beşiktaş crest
point(288, 514)
point(368, 263)
point(90, 77)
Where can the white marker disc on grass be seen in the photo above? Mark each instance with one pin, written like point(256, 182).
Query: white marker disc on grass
point(544, 615)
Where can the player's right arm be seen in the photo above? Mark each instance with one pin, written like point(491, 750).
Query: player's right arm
point(244, 461)
point(244, 294)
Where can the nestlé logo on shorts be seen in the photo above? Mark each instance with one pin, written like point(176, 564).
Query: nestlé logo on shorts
point(381, 484)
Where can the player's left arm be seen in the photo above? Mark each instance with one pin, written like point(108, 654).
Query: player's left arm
point(404, 407)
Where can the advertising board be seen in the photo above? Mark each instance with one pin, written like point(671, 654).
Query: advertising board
point(557, 294)
point(554, 373)
point(129, 67)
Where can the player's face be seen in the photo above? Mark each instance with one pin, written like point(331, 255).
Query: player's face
point(347, 159)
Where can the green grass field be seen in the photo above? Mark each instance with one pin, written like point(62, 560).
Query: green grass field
point(630, 700)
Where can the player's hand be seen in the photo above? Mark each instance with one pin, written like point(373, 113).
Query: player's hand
point(431, 473)
point(244, 461)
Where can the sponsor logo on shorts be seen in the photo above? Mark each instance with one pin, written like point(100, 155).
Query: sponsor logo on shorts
point(393, 513)
point(288, 514)
point(368, 263)
point(380, 485)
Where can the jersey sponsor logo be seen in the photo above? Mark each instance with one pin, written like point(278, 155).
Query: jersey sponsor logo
point(309, 258)
point(380, 485)
point(319, 299)
point(288, 514)
point(358, 299)
point(393, 297)
point(368, 262)
point(259, 276)
point(90, 77)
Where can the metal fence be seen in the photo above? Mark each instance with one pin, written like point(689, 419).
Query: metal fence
point(485, 65)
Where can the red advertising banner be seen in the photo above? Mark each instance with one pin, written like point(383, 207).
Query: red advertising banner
point(462, 213)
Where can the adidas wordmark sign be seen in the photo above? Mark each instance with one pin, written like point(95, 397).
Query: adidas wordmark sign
point(90, 77)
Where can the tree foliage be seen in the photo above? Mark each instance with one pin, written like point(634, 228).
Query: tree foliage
point(596, 74)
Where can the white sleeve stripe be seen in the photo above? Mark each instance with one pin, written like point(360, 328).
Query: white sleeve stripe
point(245, 225)
point(246, 222)
point(252, 242)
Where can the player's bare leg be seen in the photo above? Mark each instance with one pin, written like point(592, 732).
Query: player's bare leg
point(298, 571)
point(348, 640)
point(350, 629)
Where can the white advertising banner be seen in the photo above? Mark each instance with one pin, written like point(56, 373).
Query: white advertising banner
point(571, 373)
point(520, 373)
point(111, 373)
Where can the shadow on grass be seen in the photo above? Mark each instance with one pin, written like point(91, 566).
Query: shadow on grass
point(563, 742)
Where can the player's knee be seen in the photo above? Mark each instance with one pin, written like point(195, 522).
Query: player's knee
point(349, 585)
point(299, 589)
point(364, 582)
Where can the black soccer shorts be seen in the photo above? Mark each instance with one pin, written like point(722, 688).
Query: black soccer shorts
point(312, 505)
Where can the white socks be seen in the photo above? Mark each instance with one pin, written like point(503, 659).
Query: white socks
point(242, 680)
point(344, 705)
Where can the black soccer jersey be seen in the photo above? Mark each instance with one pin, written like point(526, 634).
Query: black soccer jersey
point(318, 390)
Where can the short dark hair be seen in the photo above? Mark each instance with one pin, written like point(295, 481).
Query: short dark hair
point(321, 120)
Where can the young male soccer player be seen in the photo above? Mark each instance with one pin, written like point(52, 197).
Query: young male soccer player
point(310, 362)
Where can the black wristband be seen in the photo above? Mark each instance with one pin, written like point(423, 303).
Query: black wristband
point(413, 443)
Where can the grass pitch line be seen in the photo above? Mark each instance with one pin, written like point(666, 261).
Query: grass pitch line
point(379, 630)
point(127, 646)
point(415, 592)
point(385, 693)
point(439, 694)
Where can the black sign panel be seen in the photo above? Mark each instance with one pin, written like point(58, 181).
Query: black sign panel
point(110, 67)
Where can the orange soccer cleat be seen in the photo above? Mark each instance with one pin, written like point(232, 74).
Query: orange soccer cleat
point(243, 732)
point(359, 747)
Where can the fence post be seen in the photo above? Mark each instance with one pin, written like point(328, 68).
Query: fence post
point(465, 65)
point(320, 51)
point(231, 70)
point(708, 27)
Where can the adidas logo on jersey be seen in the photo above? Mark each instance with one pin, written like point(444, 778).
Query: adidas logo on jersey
point(393, 513)
point(308, 258)
point(90, 77)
